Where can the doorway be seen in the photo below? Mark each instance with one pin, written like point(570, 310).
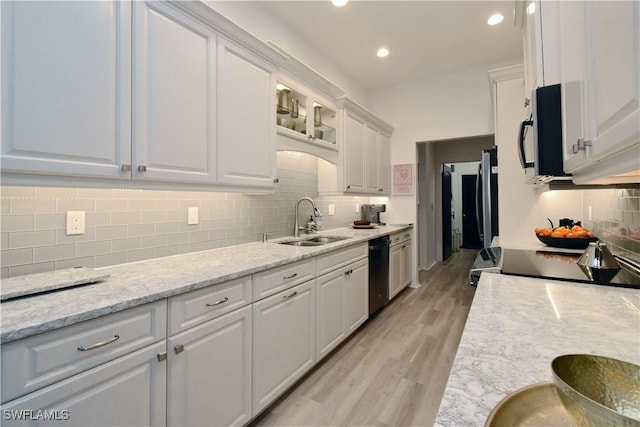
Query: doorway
point(470, 221)
point(447, 212)
point(430, 156)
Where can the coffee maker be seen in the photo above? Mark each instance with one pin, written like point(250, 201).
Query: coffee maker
point(371, 213)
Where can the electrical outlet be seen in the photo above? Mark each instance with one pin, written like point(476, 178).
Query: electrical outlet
point(357, 208)
point(590, 213)
point(192, 216)
point(75, 222)
point(331, 209)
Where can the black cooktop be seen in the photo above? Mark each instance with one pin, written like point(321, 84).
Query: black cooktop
point(557, 265)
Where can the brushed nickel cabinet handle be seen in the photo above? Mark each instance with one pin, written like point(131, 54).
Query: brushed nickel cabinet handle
point(380, 189)
point(348, 187)
point(290, 277)
point(290, 296)
point(276, 180)
point(126, 168)
point(115, 338)
point(178, 348)
point(142, 168)
point(162, 356)
point(222, 301)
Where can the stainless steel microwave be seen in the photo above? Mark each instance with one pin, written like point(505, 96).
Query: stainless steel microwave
point(540, 137)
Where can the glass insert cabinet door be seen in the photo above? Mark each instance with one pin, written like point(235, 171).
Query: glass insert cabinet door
point(301, 116)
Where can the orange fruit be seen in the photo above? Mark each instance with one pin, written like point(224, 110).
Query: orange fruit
point(557, 234)
point(538, 230)
point(547, 232)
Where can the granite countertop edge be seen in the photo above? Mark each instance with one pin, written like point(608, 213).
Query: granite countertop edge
point(134, 284)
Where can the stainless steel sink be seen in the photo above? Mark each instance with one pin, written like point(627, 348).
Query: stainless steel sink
point(314, 241)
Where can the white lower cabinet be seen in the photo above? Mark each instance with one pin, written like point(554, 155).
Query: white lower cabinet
point(342, 304)
point(400, 271)
point(209, 372)
point(284, 330)
point(127, 391)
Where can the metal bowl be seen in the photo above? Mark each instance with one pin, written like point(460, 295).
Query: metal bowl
point(598, 391)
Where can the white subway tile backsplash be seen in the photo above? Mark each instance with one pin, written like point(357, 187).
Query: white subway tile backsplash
point(124, 245)
point(13, 223)
point(40, 267)
point(49, 221)
point(4, 241)
point(87, 262)
point(53, 253)
point(25, 239)
point(111, 232)
point(13, 257)
point(127, 224)
point(93, 248)
point(141, 230)
point(21, 206)
point(125, 218)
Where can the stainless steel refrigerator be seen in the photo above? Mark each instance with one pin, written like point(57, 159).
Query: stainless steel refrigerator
point(487, 196)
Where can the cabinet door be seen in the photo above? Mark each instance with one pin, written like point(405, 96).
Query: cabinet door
point(354, 146)
point(174, 84)
point(284, 337)
point(66, 88)
point(357, 294)
point(613, 79)
point(395, 270)
point(246, 129)
point(209, 375)
point(406, 275)
point(371, 159)
point(572, 46)
point(384, 164)
point(330, 311)
point(128, 391)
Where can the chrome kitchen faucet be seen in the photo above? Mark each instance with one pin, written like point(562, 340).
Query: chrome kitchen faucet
point(296, 227)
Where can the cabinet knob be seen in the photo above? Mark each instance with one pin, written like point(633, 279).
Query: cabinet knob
point(126, 168)
point(380, 189)
point(276, 180)
point(348, 187)
point(142, 168)
point(581, 145)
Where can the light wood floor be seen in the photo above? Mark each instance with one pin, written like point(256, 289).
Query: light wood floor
point(393, 370)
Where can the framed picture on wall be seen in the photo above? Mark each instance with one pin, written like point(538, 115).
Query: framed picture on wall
point(403, 180)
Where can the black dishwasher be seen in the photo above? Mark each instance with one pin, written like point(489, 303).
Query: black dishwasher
point(378, 273)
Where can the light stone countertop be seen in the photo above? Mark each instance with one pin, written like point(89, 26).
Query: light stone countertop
point(134, 284)
point(517, 326)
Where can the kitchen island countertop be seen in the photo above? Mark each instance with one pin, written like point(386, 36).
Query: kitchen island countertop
point(517, 326)
point(134, 284)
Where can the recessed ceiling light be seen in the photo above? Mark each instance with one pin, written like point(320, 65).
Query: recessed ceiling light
point(495, 19)
point(339, 3)
point(382, 52)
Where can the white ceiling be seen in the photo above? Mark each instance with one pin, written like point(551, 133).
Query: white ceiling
point(426, 38)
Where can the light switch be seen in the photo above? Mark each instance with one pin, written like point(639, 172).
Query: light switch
point(357, 208)
point(192, 216)
point(331, 209)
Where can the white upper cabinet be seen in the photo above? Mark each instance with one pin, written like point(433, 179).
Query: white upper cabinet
point(600, 57)
point(246, 132)
point(66, 88)
point(538, 21)
point(153, 94)
point(174, 102)
point(366, 142)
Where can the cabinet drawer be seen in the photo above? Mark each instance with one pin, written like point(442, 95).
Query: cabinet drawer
point(398, 238)
point(278, 279)
point(337, 259)
point(34, 362)
point(191, 309)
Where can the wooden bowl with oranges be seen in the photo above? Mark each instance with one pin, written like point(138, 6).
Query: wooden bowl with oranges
point(574, 237)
